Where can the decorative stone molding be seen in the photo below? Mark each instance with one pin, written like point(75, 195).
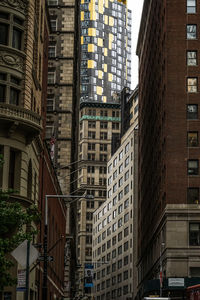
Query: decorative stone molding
point(11, 60)
point(19, 5)
point(21, 115)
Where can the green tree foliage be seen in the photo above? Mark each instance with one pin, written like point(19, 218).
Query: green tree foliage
point(14, 221)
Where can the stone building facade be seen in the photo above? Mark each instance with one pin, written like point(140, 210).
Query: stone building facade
point(168, 204)
point(99, 123)
point(23, 42)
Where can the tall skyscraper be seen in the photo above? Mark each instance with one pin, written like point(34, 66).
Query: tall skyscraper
point(105, 49)
point(105, 70)
point(168, 208)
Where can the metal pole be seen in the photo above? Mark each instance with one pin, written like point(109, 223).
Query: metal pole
point(44, 287)
point(27, 270)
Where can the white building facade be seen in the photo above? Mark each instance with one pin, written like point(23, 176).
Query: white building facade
point(113, 227)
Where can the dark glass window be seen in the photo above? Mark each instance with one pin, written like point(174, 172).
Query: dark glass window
point(17, 38)
point(2, 93)
point(194, 234)
point(193, 195)
point(192, 111)
point(192, 139)
point(193, 167)
point(4, 34)
point(14, 96)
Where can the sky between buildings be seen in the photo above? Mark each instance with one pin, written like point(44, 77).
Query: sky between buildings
point(136, 7)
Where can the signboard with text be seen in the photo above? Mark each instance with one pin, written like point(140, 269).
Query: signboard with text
point(89, 274)
point(21, 280)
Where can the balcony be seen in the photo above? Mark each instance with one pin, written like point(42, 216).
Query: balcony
point(14, 118)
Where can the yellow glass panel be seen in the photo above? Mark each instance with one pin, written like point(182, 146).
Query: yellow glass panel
point(104, 99)
point(105, 51)
point(82, 1)
point(99, 90)
point(92, 31)
point(110, 76)
point(101, 6)
point(82, 16)
point(100, 42)
point(110, 40)
point(90, 47)
point(93, 15)
point(81, 40)
point(111, 0)
point(105, 67)
point(100, 74)
point(106, 3)
point(106, 19)
point(111, 21)
point(91, 64)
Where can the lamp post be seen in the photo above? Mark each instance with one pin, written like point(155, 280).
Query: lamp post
point(44, 287)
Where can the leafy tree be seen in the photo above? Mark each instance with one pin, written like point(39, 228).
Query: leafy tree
point(14, 221)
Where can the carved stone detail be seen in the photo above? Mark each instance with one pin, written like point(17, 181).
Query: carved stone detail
point(11, 60)
point(20, 5)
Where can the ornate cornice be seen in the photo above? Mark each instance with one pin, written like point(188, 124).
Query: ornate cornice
point(20, 5)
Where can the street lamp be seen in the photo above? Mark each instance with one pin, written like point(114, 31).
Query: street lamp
point(44, 287)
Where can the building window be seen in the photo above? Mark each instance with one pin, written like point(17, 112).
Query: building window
point(52, 2)
point(103, 125)
point(91, 124)
point(194, 234)
point(91, 135)
point(50, 102)
point(7, 296)
point(53, 24)
point(10, 89)
point(192, 111)
point(125, 289)
point(51, 77)
point(192, 84)
point(192, 139)
point(193, 167)
point(193, 195)
point(103, 136)
point(91, 146)
point(191, 32)
point(103, 147)
point(14, 30)
point(126, 260)
point(191, 58)
point(191, 6)
point(52, 51)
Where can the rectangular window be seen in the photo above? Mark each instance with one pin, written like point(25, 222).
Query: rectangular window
point(192, 111)
point(14, 96)
point(191, 31)
point(4, 34)
point(194, 234)
point(192, 139)
point(2, 92)
point(191, 58)
point(52, 51)
point(193, 167)
point(191, 6)
point(193, 195)
point(192, 85)
point(16, 38)
point(51, 77)
point(53, 24)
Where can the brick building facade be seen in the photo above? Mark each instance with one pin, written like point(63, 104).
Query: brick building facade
point(168, 204)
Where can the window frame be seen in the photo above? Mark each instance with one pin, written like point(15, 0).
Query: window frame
point(188, 33)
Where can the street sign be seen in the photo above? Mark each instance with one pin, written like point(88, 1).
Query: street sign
point(20, 254)
point(49, 258)
point(177, 282)
point(21, 280)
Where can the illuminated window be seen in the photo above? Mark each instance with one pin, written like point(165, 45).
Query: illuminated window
point(191, 58)
point(191, 31)
point(192, 139)
point(191, 6)
point(192, 84)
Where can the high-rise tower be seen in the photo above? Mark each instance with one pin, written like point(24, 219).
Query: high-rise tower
point(105, 49)
point(105, 70)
